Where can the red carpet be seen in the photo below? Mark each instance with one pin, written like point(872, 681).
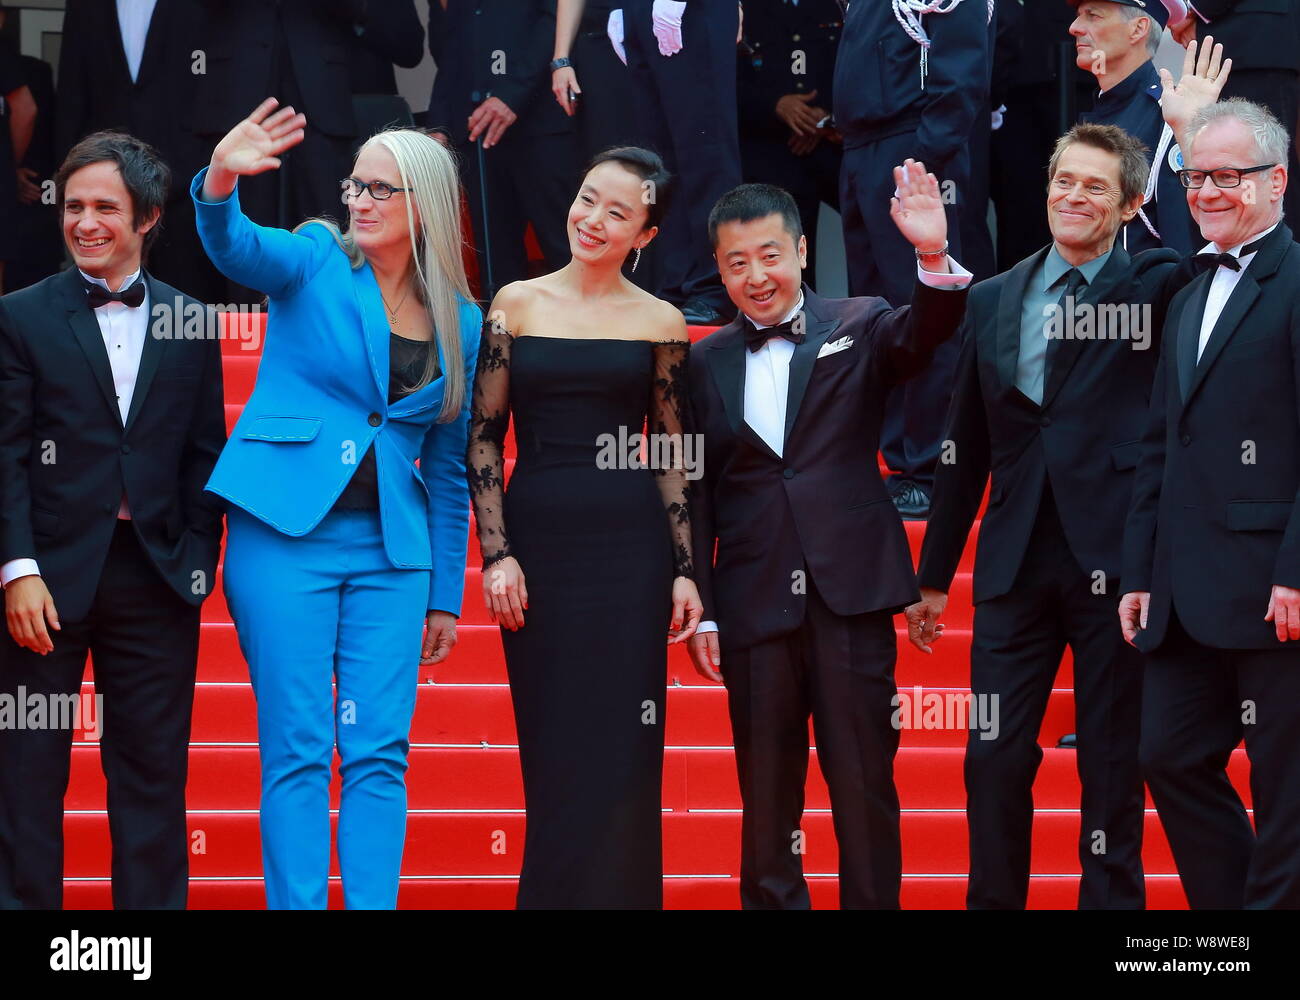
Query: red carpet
point(465, 831)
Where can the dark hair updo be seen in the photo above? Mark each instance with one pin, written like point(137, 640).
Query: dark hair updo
point(656, 181)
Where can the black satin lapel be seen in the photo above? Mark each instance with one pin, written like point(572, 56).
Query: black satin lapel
point(1234, 311)
point(154, 346)
point(726, 360)
point(1010, 304)
point(1189, 335)
point(91, 341)
point(801, 366)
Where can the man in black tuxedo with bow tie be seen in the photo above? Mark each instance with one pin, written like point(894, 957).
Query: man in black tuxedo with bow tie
point(812, 560)
point(109, 427)
point(1212, 543)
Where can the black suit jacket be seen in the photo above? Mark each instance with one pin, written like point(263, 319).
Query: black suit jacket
point(1084, 439)
point(474, 39)
point(66, 459)
point(239, 38)
point(820, 508)
point(95, 86)
point(1257, 34)
point(1213, 524)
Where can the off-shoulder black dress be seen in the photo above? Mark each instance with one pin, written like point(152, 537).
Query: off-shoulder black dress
point(599, 547)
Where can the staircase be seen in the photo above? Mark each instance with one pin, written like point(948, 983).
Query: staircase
point(466, 825)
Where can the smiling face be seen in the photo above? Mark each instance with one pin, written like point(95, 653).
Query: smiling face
point(380, 226)
point(1085, 206)
point(98, 226)
point(1231, 216)
point(761, 266)
point(1102, 36)
point(608, 214)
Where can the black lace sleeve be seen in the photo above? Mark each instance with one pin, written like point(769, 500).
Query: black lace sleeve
point(669, 423)
point(489, 420)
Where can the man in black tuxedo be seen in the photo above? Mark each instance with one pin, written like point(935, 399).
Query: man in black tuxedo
point(130, 68)
point(110, 423)
point(1056, 422)
point(516, 147)
point(812, 559)
point(1212, 543)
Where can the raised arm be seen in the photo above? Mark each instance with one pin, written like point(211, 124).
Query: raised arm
point(271, 260)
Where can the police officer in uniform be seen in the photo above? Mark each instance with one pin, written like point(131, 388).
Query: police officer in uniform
point(786, 69)
point(1109, 47)
point(910, 84)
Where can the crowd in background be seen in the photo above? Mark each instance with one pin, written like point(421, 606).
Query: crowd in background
point(822, 98)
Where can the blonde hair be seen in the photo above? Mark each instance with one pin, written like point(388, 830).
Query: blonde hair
point(428, 168)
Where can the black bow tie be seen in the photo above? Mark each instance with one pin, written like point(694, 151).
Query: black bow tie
point(98, 295)
point(1213, 260)
point(756, 338)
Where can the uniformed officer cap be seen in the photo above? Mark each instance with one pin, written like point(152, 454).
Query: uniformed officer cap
point(1161, 11)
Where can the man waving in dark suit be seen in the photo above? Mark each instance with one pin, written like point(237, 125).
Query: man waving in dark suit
point(812, 560)
point(1212, 544)
point(111, 419)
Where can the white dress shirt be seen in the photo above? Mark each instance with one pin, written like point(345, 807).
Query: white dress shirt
point(1222, 285)
point(124, 329)
point(133, 17)
point(767, 375)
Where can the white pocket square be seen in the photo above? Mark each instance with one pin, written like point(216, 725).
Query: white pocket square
point(832, 346)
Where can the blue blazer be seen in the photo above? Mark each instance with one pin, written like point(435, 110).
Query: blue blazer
point(321, 400)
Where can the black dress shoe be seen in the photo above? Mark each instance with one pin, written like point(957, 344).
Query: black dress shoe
point(912, 501)
point(1070, 741)
point(700, 312)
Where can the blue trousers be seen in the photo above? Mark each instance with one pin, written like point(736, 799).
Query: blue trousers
point(328, 607)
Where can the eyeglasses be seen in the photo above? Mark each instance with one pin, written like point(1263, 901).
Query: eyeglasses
point(352, 188)
point(1224, 177)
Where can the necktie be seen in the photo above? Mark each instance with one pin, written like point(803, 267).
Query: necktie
point(1074, 282)
point(98, 296)
point(756, 338)
point(1210, 261)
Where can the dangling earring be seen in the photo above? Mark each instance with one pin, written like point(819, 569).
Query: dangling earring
point(637, 259)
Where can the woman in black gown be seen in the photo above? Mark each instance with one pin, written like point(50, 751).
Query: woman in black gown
point(583, 358)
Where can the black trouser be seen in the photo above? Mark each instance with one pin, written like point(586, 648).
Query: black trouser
point(1015, 655)
point(1279, 91)
point(882, 262)
point(839, 669)
point(1197, 705)
point(810, 179)
point(530, 178)
point(687, 103)
point(144, 640)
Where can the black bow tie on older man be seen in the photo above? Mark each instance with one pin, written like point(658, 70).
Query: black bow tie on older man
point(1211, 261)
point(98, 295)
point(756, 338)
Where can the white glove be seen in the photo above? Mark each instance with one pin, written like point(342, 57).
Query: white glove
point(667, 19)
point(615, 31)
point(998, 117)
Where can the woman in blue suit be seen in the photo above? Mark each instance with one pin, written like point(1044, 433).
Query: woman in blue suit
point(338, 543)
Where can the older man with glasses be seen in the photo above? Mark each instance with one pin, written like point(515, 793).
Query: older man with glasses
point(1212, 544)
